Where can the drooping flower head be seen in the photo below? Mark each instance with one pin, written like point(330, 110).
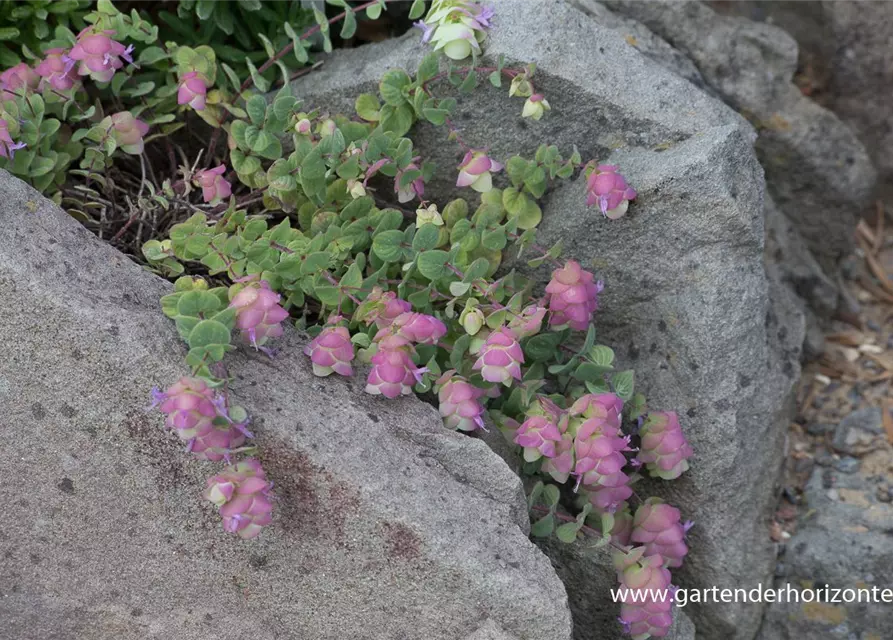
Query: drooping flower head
point(460, 405)
point(381, 307)
point(606, 407)
point(535, 106)
point(419, 328)
point(538, 435)
point(331, 351)
point(646, 600)
point(128, 132)
point(7, 146)
point(599, 462)
point(664, 448)
point(57, 70)
point(214, 186)
point(192, 90)
point(20, 79)
point(573, 296)
point(199, 417)
point(458, 27)
point(607, 188)
point(415, 188)
point(500, 358)
point(658, 527)
point(474, 171)
point(258, 313)
point(99, 56)
point(393, 371)
point(528, 322)
point(242, 493)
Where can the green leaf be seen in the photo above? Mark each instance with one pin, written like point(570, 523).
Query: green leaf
point(426, 237)
point(495, 79)
point(494, 239)
point(198, 303)
point(417, 9)
point(543, 527)
point(459, 288)
point(542, 347)
point(567, 532)
point(433, 264)
point(257, 109)
point(368, 107)
point(624, 384)
point(602, 355)
point(551, 495)
point(349, 28)
point(386, 245)
point(352, 279)
point(428, 68)
point(374, 11)
point(589, 372)
point(207, 333)
point(259, 81)
point(477, 269)
point(151, 55)
point(392, 85)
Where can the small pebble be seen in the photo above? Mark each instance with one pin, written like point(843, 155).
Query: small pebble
point(847, 464)
point(833, 494)
point(824, 459)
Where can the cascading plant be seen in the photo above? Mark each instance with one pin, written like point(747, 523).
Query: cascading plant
point(320, 220)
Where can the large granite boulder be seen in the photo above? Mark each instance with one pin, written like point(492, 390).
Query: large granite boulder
point(817, 171)
point(687, 301)
point(387, 526)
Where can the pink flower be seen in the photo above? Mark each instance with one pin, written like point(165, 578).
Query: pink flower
point(608, 188)
point(331, 351)
point(194, 412)
point(192, 90)
point(599, 461)
point(538, 435)
point(128, 132)
point(663, 447)
point(560, 466)
point(393, 371)
point(258, 313)
point(460, 407)
point(572, 296)
point(21, 78)
point(7, 146)
point(606, 407)
point(500, 358)
point(474, 171)
point(657, 526)
point(623, 525)
point(645, 595)
point(242, 493)
point(415, 189)
point(214, 186)
point(418, 328)
point(381, 307)
point(528, 322)
point(98, 54)
point(57, 70)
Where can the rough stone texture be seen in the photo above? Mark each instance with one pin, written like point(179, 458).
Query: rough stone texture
point(846, 63)
point(387, 526)
point(817, 171)
point(687, 299)
point(843, 542)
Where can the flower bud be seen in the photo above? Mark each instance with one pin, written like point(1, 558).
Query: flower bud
point(214, 186)
point(663, 446)
point(418, 328)
point(393, 372)
point(428, 215)
point(258, 313)
point(521, 86)
point(605, 186)
point(128, 132)
point(535, 107)
point(193, 90)
point(331, 351)
point(472, 319)
point(501, 358)
point(356, 189)
point(381, 307)
point(303, 126)
point(474, 171)
point(459, 403)
point(528, 322)
point(572, 296)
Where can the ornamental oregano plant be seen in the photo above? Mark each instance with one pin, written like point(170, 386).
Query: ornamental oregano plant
point(320, 219)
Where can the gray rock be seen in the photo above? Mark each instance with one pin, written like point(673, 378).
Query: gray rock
point(847, 62)
point(817, 171)
point(847, 465)
point(687, 300)
point(844, 543)
point(387, 526)
point(856, 434)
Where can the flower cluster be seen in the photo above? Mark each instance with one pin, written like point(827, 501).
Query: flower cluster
point(646, 600)
point(664, 448)
point(573, 296)
point(199, 416)
point(213, 185)
point(606, 187)
point(331, 351)
point(258, 313)
point(98, 55)
point(474, 171)
point(457, 27)
point(242, 494)
point(192, 90)
point(459, 402)
point(128, 132)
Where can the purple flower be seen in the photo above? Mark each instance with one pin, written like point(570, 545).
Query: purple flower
point(331, 351)
point(242, 493)
point(393, 372)
point(572, 296)
point(427, 30)
point(214, 186)
point(500, 358)
point(57, 70)
point(607, 187)
point(192, 91)
point(460, 405)
point(98, 54)
point(474, 171)
point(258, 313)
